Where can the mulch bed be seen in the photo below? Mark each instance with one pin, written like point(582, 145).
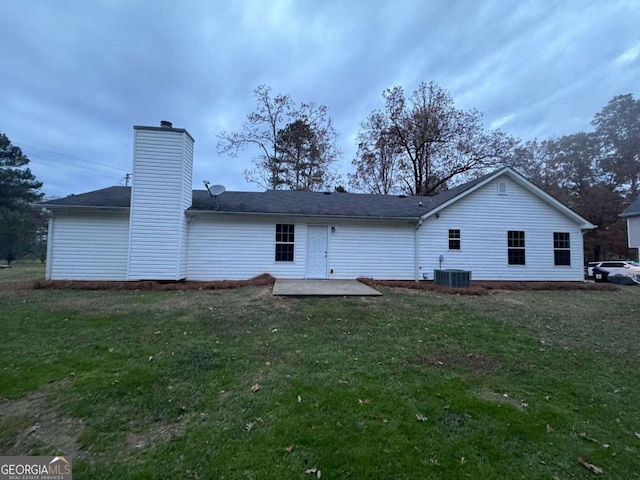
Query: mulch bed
point(478, 288)
point(146, 285)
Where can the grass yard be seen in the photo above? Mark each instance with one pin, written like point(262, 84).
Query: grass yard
point(237, 384)
point(22, 270)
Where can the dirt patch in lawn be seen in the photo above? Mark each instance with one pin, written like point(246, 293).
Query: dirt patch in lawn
point(155, 434)
point(453, 357)
point(32, 425)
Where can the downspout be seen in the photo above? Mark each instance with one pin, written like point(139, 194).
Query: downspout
point(47, 272)
point(416, 255)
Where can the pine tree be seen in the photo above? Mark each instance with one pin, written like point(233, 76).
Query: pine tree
point(19, 188)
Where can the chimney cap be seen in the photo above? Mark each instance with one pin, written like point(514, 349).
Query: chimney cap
point(166, 124)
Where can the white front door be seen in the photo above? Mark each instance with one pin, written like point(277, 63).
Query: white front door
point(317, 251)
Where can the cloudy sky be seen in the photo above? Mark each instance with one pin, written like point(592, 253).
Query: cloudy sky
point(77, 75)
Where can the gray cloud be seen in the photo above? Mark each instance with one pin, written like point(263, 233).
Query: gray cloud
point(78, 75)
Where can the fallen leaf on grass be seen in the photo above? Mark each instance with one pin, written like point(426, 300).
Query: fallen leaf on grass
point(255, 388)
point(289, 449)
point(462, 461)
point(314, 471)
point(549, 428)
point(365, 401)
point(584, 435)
point(421, 418)
point(249, 426)
point(33, 429)
point(589, 466)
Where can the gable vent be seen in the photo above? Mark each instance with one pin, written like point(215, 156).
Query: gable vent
point(502, 187)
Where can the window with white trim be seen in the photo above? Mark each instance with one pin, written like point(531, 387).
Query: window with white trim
point(454, 239)
point(561, 248)
point(285, 241)
point(515, 247)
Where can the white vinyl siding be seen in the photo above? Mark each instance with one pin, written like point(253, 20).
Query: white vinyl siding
point(633, 230)
point(160, 194)
point(223, 247)
point(379, 250)
point(88, 246)
point(484, 217)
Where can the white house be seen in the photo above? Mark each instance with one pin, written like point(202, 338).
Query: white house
point(632, 214)
point(499, 227)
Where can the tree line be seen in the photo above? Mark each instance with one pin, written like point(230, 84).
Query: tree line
point(416, 144)
point(595, 173)
point(422, 144)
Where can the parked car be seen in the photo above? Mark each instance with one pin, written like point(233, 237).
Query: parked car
point(615, 267)
point(588, 269)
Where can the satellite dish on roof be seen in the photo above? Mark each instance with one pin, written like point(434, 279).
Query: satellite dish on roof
point(214, 190)
point(217, 190)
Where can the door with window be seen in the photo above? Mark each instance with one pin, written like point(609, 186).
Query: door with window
point(317, 251)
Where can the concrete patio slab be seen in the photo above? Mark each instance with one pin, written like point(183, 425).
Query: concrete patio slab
point(309, 288)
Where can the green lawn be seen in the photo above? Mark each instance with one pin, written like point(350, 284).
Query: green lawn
point(237, 384)
point(21, 271)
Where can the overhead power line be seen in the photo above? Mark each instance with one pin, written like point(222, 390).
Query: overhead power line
point(88, 164)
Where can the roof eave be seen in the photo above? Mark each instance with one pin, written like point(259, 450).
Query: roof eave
point(83, 207)
point(195, 212)
point(588, 226)
point(629, 215)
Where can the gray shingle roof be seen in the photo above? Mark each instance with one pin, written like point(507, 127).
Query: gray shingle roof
point(633, 210)
point(312, 203)
point(285, 202)
point(111, 197)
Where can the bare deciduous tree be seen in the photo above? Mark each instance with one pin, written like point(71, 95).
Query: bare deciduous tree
point(377, 161)
point(295, 144)
point(436, 141)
